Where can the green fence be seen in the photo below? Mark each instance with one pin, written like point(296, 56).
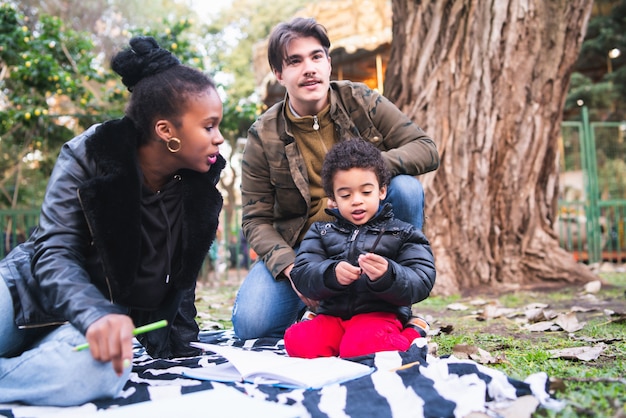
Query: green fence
point(592, 205)
point(16, 225)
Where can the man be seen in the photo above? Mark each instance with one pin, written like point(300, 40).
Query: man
point(281, 185)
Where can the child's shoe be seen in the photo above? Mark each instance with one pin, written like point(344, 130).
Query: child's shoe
point(307, 315)
point(419, 324)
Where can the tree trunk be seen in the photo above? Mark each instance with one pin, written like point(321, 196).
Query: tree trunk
point(487, 80)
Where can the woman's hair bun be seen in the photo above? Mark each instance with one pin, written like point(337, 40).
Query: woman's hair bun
point(143, 58)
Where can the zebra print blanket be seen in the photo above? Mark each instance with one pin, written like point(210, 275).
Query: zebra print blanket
point(436, 387)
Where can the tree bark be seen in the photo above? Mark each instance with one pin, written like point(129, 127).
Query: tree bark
point(488, 80)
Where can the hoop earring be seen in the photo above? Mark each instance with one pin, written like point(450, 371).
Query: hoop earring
point(169, 146)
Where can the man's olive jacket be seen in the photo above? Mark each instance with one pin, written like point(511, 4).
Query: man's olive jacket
point(274, 183)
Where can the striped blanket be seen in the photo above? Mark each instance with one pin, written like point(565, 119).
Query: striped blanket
point(433, 387)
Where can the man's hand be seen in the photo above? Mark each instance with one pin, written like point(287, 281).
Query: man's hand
point(346, 273)
point(110, 338)
point(313, 304)
point(373, 265)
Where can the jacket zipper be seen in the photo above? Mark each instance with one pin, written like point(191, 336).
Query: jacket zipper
point(351, 243)
point(47, 324)
point(353, 236)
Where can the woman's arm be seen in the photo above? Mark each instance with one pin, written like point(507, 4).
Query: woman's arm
point(61, 244)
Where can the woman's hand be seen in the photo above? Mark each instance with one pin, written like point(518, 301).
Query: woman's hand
point(373, 265)
point(110, 338)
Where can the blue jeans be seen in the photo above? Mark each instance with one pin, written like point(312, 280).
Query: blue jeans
point(406, 195)
point(40, 367)
point(266, 307)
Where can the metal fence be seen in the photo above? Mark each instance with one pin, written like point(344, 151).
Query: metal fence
point(16, 225)
point(592, 205)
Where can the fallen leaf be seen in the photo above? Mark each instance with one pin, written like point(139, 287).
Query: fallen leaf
point(457, 307)
point(478, 302)
point(211, 326)
point(542, 326)
point(471, 352)
point(536, 305)
point(433, 349)
point(582, 309)
point(593, 287)
point(539, 314)
point(522, 407)
point(590, 298)
point(585, 353)
point(493, 310)
point(569, 322)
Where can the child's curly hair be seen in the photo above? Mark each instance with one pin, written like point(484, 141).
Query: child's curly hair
point(353, 153)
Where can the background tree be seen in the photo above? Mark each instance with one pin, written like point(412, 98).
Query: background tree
point(54, 83)
point(230, 39)
point(488, 81)
point(599, 78)
point(43, 69)
point(234, 31)
point(109, 22)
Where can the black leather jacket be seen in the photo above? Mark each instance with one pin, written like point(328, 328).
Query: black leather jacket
point(408, 280)
point(84, 254)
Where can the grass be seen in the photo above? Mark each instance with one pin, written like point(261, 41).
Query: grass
point(593, 388)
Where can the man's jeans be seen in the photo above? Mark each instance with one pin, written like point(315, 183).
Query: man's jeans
point(265, 307)
point(41, 368)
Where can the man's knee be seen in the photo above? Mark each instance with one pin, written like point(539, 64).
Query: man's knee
point(406, 186)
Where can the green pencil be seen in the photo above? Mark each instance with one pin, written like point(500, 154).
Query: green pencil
point(139, 330)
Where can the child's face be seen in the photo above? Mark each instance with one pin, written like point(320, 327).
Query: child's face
point(357, 194)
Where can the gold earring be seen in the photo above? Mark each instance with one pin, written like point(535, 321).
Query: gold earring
point(169, 146)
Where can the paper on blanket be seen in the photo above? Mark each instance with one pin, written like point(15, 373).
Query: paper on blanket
point(263, 367)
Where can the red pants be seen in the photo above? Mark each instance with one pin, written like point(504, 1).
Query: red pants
point(329, 336)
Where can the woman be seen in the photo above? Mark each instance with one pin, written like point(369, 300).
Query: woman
point(129, 214)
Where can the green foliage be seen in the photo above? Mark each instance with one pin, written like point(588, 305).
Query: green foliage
point(231, 38)
point(55, 83)
point(599, 95)
point(174, 38)
point(238, 116)
point(46, 69)
point(599, 80)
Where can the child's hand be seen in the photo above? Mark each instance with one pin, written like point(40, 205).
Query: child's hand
point(373, 265)
point(346, 273)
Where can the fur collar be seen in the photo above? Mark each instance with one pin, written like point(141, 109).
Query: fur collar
point(111, 201)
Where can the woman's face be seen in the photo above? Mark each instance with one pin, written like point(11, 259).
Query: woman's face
point(199, 132)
